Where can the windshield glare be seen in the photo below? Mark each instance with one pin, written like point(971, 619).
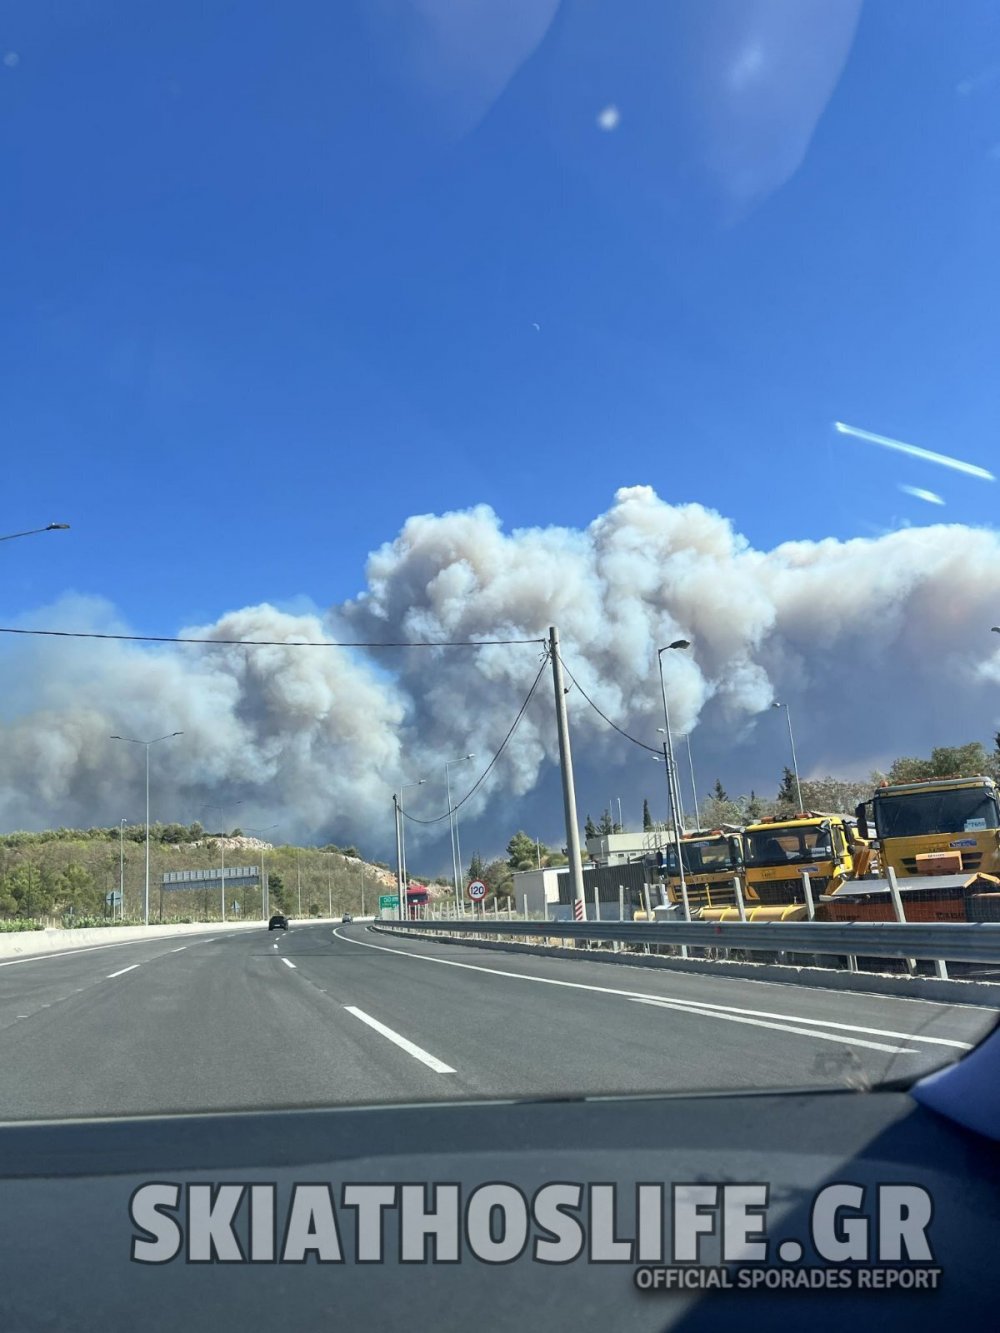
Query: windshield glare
point(702, 857)
point(769, 847)
point(969, 810)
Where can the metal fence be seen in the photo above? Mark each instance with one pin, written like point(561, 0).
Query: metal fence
point(968, 943)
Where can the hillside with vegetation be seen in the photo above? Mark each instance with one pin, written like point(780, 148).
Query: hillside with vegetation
point(64, 876)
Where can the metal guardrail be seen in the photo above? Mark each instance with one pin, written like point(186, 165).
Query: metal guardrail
point(956, 942)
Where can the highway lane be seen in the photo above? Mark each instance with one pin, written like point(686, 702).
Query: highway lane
point(36, 981)
point(325, 1016)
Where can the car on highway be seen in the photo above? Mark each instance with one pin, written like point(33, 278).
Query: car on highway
point(278, 922)
point(346, 918)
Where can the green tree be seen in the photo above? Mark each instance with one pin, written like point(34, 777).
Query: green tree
point(647, 818)
point(589, 831)
point(964, 761)
point(754, 807)
point(77, 889)
point(523, 853)
point(277, 891)
point(19, 885)
point(787, 797)
point(606, 825)
point(497, 877)
point(718, 792)
point(477, 869)
point(838, 796)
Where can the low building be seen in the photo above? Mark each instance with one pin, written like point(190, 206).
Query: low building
point(615, 849)
point(538, 890)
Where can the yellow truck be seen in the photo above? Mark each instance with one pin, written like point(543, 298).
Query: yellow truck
point(779, 850)
point(942, 839)
point(711, 859)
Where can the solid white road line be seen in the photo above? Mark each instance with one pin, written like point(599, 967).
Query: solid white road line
point(818, 1022)
point(779, 1027)
point(180, 950)
point(418, 1053)
point(692, 1006)
point(287, 963)
point(78, 953)
point(112, 975)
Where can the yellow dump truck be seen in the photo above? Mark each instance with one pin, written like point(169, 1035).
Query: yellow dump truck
point(942, 839)
point(779, 850)
point(711, 859)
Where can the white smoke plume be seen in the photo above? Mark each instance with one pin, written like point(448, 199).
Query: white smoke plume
point(880, 646)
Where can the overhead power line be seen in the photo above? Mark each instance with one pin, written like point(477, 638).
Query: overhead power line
point(268, 643)
point(503, 745)
point(621, 731)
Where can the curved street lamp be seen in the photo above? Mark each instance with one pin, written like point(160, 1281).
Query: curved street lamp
point(31, 532)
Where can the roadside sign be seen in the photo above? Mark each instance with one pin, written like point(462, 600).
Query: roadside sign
point(387, 901)
point(477, 890)
point(113, 898)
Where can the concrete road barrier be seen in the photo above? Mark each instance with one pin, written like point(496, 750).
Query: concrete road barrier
point(27, 942)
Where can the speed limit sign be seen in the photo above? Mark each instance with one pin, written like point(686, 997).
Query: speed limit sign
point(477, 890)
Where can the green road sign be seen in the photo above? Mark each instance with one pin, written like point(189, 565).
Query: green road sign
point(386, 901)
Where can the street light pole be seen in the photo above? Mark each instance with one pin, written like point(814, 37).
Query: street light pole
point(791, 742)
point(222, 847)
point(672, 785)
point(263, 872)
point(132, 741)
point(121, 867)
point(454, 823)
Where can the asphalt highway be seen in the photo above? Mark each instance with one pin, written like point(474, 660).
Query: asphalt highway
point(333, 1015)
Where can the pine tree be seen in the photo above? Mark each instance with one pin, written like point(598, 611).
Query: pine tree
point(647, 818)
point(589, 830)
point(786, 792)
point(719, 793)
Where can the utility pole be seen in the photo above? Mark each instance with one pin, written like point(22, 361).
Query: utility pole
point(399, 856)
point(569, 789)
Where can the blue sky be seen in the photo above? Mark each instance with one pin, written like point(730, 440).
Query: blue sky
point(258, 307)
point(273, 283)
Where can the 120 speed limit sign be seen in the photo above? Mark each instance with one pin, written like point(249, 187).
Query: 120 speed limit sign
point(477, 890)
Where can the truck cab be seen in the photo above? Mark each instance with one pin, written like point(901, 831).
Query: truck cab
point(711, 858)
point(941, 837)
point(779, 850)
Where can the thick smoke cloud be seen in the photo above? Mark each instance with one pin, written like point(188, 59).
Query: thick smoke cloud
point(880, 646)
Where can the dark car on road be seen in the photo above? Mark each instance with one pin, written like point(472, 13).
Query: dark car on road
point(278, 922)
